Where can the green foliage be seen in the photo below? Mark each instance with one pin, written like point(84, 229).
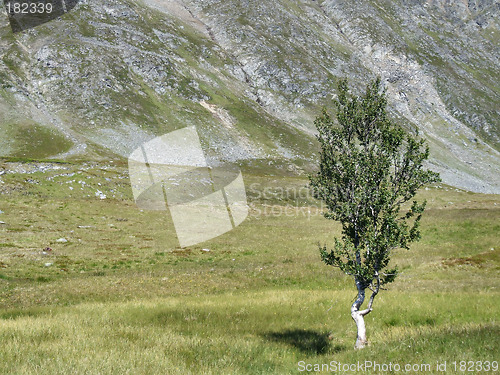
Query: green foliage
point(369, 167)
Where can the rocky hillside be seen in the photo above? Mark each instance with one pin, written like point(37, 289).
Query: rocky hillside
point(251, 76)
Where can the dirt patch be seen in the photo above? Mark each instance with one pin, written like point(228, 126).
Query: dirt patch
point(179, 10)
point(182, 252)
point(479, 260)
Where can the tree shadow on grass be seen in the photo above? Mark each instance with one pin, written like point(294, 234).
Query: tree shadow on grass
point(307, 341)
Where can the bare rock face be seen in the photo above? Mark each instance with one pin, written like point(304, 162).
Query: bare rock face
point(252, 75)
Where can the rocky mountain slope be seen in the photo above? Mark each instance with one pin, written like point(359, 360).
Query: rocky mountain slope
point(251, 76)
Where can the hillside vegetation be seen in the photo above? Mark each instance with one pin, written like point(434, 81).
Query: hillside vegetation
point(251, 76)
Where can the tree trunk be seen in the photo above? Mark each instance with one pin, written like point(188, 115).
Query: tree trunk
point(359, 316)
point(361, 340)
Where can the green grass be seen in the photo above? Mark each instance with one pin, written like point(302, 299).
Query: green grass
point(35, 141)
point(264, 332)
point(121, 297)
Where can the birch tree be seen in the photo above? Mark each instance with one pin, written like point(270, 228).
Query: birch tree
point(369, 167)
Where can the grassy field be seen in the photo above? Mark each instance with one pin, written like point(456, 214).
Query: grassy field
point(116, 295)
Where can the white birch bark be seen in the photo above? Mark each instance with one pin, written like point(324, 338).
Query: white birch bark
point(359, 316)
point(361, 340)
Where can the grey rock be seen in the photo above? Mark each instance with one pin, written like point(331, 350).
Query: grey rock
point(119, 73)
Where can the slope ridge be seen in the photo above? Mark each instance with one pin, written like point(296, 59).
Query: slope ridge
point(107, 77)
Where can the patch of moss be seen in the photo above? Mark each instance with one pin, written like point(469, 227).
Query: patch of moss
point(37, 142)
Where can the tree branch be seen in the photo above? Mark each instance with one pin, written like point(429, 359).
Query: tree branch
point(372, 297)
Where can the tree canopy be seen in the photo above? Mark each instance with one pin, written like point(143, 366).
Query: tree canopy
point(369, 167)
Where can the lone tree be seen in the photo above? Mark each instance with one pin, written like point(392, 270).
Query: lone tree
point(369, 167)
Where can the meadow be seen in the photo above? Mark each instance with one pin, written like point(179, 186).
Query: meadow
point(90, 284)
